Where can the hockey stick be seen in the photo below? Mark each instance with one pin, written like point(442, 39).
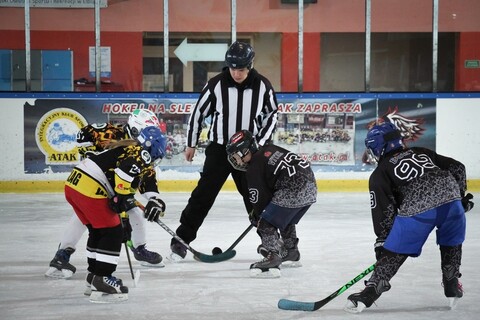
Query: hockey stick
point(217, 250)
point(241, 237)
point(198, 255)
point(287, 304)
point(135, 279)
point(136, 276)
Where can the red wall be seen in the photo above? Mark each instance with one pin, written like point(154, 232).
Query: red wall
point(252, 16)
point(468, 48)
point(311, 62)
point(126, 51)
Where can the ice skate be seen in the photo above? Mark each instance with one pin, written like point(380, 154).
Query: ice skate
point(147, 258)
point(108, 290)
point(60, 267)
point(453, 291)
point(262, 250)
point(269, 267)
point(289, 247)
point(291, 258)
point(357, 302)
point(179, 251)
point(88, 284)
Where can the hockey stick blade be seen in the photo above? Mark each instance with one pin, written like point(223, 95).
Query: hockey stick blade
point(286, 304)
point(196, 254)
point(227, 255)
point(137, 278)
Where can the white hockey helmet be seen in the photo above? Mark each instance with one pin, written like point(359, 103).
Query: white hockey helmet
point(140, 119)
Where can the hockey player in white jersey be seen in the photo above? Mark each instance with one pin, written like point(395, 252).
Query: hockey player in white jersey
point(92, 139)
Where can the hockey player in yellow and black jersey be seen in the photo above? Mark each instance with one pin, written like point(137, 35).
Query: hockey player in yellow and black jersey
point(92, 139)
point(103, 186)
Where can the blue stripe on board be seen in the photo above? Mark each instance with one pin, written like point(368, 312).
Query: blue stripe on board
point(319, 95)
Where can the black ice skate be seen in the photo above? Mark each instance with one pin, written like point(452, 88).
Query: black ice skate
point(146, 257)
point(290, 257)
point(108, 290)
point(179, 251)
point(88, 284)
point(262, 250)
point(269, 267)
point(453, 291)
point(60, 267)
point(361, 300)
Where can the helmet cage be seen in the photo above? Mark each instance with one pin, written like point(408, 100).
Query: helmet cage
point(241, 144)
point(236, 160)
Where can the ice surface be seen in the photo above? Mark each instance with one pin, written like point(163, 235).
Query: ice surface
point(336, 243)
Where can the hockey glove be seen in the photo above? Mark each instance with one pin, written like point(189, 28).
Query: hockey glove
point(467, 202)
point(253, 217)
point(122, 203)
point(154, 209)
point(378, 247)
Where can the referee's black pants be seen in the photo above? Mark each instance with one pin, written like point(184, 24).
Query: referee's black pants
point(215, 172)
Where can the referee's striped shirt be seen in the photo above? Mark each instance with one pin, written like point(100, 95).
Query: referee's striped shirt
point(251, 105)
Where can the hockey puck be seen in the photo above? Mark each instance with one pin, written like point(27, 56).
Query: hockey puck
point(216, 250)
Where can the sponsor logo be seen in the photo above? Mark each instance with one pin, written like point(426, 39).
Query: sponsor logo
point(56, 136)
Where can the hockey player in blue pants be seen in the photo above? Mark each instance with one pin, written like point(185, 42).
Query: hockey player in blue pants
point(281, 187)
point(413, 191)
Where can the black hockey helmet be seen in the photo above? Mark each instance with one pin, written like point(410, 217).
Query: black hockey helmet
point(239, 145)
point(240, 55)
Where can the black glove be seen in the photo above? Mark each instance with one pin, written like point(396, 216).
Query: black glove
point(467, 203)
point(154, 209)
point(122, 203)
point(127, 229)
point(378, 247)
point(253, 217)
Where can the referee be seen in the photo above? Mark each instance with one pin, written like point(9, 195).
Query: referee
point(239, 98)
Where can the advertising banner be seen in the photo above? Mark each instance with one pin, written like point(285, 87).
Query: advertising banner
point(329, 132)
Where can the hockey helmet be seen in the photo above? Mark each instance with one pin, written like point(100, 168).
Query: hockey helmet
point(140, 119)
point(239, 55)
point(154, 142)
point(382, 139)
point(239, 145)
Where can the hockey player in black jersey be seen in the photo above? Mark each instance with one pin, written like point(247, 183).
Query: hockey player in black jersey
point(412, 191)
point(93, 139)
point(99, 189)
point(281, 188)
